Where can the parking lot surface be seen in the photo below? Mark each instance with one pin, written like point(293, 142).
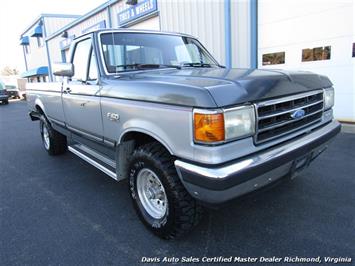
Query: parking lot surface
point(61, 210)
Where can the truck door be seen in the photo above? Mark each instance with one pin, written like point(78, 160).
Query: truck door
point(81, 98)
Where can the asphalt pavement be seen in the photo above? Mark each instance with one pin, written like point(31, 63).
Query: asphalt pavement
point(61, 210)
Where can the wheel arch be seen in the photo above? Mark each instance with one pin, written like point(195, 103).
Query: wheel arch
point(128, 142)
point(141, 137)
point(39, 106)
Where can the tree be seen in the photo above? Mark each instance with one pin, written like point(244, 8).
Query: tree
point(8, 71)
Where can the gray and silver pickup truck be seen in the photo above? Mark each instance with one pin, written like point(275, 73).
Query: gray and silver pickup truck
point(157, 109)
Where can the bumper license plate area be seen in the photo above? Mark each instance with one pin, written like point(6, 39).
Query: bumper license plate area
point(300, 163)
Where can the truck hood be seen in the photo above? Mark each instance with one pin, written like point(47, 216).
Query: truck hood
point(217, 87)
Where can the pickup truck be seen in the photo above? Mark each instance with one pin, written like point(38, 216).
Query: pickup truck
point(157, 109)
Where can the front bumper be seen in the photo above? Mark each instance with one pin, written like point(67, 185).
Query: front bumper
point(222, 183)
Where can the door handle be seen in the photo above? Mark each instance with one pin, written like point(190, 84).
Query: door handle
point(67, 90)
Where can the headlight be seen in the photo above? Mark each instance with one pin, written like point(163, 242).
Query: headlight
point(239, 122)
point(213, 127)
point(328, 98)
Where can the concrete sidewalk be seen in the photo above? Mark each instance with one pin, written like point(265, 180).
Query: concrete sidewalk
point(347, 128)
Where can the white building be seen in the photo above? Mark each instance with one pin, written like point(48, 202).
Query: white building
point(216, 23)
point(315, 35)
point(34, 46)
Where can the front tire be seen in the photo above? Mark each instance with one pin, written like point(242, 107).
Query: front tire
point(54, 142)
point(161, 201)
point(6, 102)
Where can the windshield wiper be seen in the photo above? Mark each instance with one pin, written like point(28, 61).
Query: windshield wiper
point(196, 64)
point(148, 66)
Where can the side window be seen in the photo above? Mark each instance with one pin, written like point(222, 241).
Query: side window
point(80, 60)
point(93, 75)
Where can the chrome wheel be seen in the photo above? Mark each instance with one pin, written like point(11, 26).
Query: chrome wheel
point(151, 193)
point(46, 140)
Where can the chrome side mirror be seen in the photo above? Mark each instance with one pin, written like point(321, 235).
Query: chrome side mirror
point(63, 69)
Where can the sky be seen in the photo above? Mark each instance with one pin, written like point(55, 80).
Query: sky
point(16, 15)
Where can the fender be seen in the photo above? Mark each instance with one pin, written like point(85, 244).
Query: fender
point(159, 135)
point(39, 103)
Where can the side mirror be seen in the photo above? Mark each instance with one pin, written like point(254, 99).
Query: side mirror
point(63, 69)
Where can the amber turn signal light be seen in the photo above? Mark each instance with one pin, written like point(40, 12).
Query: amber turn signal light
point(209, 128)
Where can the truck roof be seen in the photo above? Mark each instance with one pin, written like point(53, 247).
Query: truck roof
point(109, 30)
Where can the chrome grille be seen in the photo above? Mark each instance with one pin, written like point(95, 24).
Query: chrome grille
point(276, 118)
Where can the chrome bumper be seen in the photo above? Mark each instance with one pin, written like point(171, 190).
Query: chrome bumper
point(213, 184)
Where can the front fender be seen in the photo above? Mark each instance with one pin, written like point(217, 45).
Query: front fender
point(39, 103)
point(149, 129)
point(168, 124)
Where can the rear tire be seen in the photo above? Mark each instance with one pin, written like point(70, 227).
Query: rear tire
point(54, 142)
point(152, 167)
point(6, 102)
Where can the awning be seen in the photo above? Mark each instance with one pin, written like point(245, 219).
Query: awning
point(37, 32)
point(25, 40)
point(40, 71)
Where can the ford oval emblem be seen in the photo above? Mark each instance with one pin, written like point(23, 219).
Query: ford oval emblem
point(298, 114)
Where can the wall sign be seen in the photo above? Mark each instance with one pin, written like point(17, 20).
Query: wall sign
point(141, 9)
point(65, 44)
point(97, 26)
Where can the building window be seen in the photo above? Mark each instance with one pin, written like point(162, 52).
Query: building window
point(354, 49)
point(39, 42)
point(274, 58)
point(316, 54)
point(38, 79)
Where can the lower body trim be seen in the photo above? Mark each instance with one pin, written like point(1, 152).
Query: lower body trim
point(93, 162)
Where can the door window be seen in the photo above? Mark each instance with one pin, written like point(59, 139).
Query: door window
point(93, 75)
point(80, 60)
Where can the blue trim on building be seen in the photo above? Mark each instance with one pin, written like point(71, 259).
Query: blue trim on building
point(39, 71)
point(228, 33)
point(37, 32)
point(25, 40)
point(254, 33)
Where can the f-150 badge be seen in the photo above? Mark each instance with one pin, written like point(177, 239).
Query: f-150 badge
point(113, 116)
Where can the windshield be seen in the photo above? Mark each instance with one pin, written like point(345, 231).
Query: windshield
point(132, 51)
point(10, 87)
